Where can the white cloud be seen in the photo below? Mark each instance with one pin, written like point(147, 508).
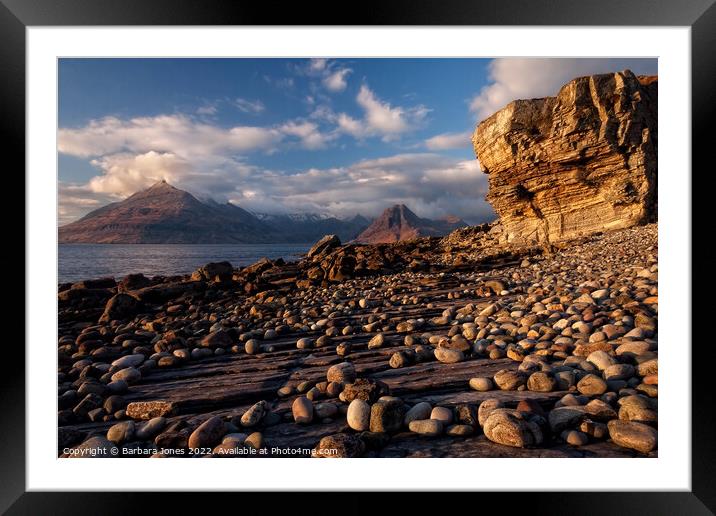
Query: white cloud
point(380, 118)
point(331, 74)
point(207, 110)
point(309, 133)
point(178, 134)
point(524, 78)
point(317, 64)
point(249, 106)
point(336, 81)
point(77, 200)
point(448, 141)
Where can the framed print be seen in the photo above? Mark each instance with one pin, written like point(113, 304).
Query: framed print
point(427, 244)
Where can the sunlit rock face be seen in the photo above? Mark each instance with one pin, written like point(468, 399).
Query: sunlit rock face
point(582, 162)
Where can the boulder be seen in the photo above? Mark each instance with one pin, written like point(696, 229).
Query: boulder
point(324, 244)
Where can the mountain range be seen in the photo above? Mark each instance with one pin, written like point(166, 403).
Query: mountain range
point(163, 214)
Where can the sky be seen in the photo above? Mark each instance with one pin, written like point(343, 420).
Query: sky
point(337, 137)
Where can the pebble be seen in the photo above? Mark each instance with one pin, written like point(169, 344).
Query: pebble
point(150, 409)
point(151, 428)
point(428, 427)
point(541, 382)
point(340, 446)
point(130, 375)
point(593, 429)
point(442, 414)
point(601, 359)
point(208, 434)
point(619, 372)
point(254, 414)
point(304, 343)
point(485, 408)
point(575, 438)
point(121, 432)
point(302, 410)
point(460, 430)
point(418, 411)
point(629, 434)
point(387, 416)
point(255, 440)
point(449, 356)
point(358, 415)
point(345, 372)
point(252, 347)
point(592, 385)
point(376, 342)
point(508, 380)
point(128, 361)
point(481, 384)
point(509, 427)
point(639, 414)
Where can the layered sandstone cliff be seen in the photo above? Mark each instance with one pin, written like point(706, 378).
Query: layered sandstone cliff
point(582, 162)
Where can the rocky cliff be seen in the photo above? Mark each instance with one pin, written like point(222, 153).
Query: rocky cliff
point(582, 162)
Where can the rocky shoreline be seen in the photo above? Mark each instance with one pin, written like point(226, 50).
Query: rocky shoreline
point(436, 347)
point(533, 336)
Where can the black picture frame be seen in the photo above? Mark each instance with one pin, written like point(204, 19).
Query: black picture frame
point(17, 15)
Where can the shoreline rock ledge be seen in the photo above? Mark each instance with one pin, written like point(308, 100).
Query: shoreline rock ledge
point(582, 162)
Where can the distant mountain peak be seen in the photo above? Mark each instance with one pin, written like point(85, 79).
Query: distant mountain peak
point(400, 223)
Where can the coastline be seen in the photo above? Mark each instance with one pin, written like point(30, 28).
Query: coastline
point(220, 358)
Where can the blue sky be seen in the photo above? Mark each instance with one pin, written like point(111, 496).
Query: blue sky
point(334, 136)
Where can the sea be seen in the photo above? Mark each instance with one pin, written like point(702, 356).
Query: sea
point(91, 261)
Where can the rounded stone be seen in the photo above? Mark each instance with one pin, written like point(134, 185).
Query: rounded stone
point(427, 427)
point(592, 385)
point(128, 374)
point(345, 372)
point(459, 430)
point(442, 414)
point(128, 361)
point(449, 356)
point(574, 437)
point(252, 347)
point(376, 342)
point(340, 446)
point(619, 372)
point(208, 434)
point(358, 415)
point(302, 410)
point(254, 414)
point(481, 384)
point(510, 428)
point(151, 428)
point(121, 432)
point(485, 408)
point(387, 416)
point(601, 359)
point(418, 411)
point(629, 434)
point(541, 382)
point(508, 380)
point(304, 343)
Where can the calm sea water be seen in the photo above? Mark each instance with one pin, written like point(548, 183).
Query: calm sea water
point(88, 261)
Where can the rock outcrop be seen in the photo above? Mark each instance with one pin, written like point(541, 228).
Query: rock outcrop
point(582, 162)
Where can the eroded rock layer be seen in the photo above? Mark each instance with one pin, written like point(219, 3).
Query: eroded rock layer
point(582, 162)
